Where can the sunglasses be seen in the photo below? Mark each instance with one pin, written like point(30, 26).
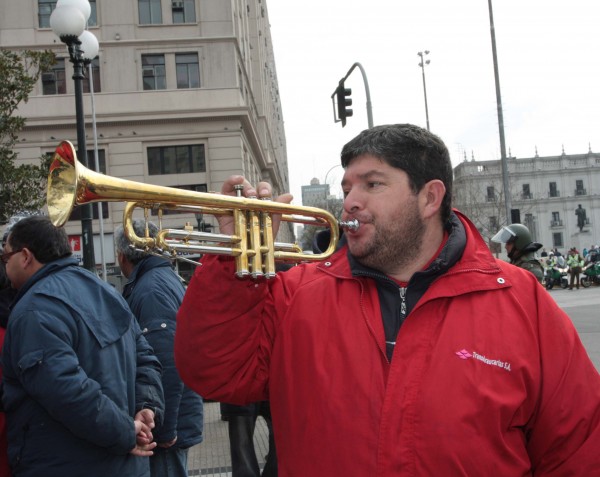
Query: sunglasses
point(5, 257)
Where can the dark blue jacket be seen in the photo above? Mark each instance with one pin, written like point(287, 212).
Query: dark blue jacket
point(76, 370)
point(154, 293)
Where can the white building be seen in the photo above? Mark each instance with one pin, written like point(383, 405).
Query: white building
point(186, 95)
point(545, 191)
point(315, 194)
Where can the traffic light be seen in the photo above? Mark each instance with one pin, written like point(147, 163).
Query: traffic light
point(343, 101)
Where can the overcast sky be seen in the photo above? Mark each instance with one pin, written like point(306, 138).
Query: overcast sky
point(548, 58)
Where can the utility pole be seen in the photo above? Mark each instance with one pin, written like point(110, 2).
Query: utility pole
point(503, 160)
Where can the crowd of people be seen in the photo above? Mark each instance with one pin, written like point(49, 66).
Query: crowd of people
point(411, 351)
point(118, 352)
point(574, 263)
point(522, 252)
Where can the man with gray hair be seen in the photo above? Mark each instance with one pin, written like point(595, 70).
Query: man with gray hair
point(154, 293)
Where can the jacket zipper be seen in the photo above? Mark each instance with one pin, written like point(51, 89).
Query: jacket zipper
point(403, 302)
point(402, 292)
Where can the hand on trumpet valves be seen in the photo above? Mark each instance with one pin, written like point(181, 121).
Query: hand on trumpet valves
point(262, 191)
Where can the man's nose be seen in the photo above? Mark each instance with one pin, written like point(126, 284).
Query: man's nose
point(353, 201)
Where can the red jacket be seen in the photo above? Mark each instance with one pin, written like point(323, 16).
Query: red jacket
point(488, 378)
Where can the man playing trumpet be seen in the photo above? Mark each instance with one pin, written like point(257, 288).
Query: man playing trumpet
point(411, 351)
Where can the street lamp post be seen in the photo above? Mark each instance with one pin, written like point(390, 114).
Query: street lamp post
point(422, 65)
point(331, 169)
point(68, 21)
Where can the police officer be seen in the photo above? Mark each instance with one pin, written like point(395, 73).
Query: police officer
point(520, 248)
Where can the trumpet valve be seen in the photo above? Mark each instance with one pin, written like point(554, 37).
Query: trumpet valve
point(238, 188)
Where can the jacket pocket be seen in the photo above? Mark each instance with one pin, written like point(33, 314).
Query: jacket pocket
point(156, 325)
point(30, 360)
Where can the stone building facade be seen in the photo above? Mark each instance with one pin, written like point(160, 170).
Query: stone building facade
point(185, 94)
point(544, 193)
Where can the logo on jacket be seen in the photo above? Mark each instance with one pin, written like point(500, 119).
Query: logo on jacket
point(464, 354)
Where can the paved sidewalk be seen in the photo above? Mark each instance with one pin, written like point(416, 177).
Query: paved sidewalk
point(212, 457)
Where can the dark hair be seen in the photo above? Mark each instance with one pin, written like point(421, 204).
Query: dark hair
point(419, 153)
point(124, 245)
point(41, 237)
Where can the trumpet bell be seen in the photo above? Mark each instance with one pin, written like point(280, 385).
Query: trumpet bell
point(62, 184)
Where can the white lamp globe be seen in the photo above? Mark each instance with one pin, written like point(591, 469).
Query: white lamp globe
point(89, 45)
point(67, 22)
point(82, 5)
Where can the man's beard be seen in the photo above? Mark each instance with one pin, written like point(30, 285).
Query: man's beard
point(395, 244)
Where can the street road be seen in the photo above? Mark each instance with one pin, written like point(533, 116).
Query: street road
point(583, 306)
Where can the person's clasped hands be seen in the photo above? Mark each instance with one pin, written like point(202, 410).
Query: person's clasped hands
point(144, 423)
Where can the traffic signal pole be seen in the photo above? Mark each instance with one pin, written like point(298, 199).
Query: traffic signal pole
point(343, 94)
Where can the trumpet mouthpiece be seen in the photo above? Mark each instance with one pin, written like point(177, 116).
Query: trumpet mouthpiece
point(350, 224)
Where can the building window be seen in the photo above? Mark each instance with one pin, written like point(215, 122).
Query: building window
point(95, 77)
point(76, 214)
point(530, 224)
point(93, 20)
point(557, 240)
point(188, 71)
point(515, 216)
point(91, 159)
point(553, 190)
point(493, 223)
point(91, 164)
point(150, 12)
point(54, 81)
point(184, 11)
point(526, 194)
point(176, 159)
point(491, 194)
point(579, 189)
point(191, 187)
point(153, 72)
point(45, 9)
point(194, 188)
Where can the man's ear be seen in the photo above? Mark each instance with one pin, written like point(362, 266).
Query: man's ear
point(28, 258)
point(432, 196)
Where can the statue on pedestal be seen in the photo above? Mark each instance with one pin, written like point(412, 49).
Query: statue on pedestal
point(581, 217)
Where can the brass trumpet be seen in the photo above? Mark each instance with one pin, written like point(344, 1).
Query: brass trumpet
point(252, 244)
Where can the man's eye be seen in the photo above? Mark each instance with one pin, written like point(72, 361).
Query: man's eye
point(372, 185)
